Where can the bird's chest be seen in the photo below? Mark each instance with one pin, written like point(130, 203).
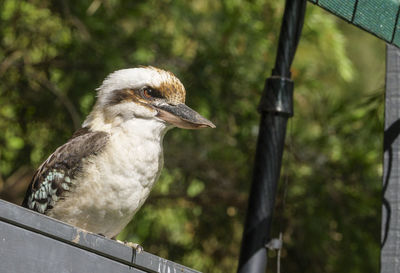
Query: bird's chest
point(128, 169)
point(114, 184)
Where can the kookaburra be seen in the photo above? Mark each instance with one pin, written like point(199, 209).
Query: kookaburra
point(101, 177)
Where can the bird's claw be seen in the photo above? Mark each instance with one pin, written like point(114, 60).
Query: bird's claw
point(138, 248)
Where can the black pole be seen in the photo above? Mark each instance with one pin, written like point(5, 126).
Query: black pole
point(276, 107)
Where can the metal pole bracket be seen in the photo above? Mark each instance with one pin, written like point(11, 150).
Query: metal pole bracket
point(277, 96)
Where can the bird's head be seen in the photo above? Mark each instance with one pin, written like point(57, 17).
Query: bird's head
point(147, 93)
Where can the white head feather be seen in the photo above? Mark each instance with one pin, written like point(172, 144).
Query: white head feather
point(132, 78)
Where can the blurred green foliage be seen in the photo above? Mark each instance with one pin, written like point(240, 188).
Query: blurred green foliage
point(53, 54)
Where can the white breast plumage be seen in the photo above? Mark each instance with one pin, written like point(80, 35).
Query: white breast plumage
point(116, 182)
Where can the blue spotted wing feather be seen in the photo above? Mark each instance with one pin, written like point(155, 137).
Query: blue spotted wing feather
point(55, 177)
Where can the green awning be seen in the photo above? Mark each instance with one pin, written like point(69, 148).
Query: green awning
point(379, 17)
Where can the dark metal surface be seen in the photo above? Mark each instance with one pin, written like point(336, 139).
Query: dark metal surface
point(276, 108)
point(390, 252)
point(26, 251)
point(32, 240)
point(262, 196)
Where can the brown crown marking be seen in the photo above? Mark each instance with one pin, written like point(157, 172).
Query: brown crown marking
point(171, 87)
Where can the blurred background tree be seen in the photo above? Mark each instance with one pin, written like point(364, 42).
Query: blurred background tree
point(53, 54)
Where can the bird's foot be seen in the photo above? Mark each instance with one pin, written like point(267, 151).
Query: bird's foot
point(138, 248)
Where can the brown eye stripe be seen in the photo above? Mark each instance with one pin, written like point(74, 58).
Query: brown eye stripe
point(146, 93)
point(120, 95)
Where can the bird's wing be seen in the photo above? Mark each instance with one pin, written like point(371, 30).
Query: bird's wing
point(55, 176)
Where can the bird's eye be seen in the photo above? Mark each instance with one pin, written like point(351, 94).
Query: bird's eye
point(150, 93)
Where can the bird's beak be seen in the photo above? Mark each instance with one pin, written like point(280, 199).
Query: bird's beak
point(182, 116)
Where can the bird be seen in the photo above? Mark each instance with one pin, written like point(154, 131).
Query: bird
point(103, 174)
